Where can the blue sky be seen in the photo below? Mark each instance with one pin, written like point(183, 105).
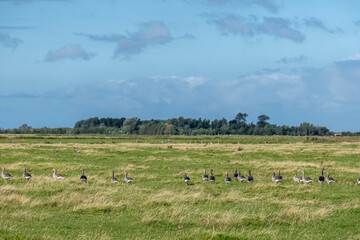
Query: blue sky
point(66, 60)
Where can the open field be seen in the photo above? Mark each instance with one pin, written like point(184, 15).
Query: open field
point(158, 205)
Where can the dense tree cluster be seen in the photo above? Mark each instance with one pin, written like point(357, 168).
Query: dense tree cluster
point(181, 126)
point(191, 126)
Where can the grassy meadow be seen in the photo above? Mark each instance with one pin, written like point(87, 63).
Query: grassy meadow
point(158, 205)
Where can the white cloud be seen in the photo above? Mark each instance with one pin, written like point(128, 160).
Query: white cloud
point(355, 57)
point(68, 52)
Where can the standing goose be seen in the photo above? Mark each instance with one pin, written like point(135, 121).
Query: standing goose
point(321, 178)
point(205, 176)
point(114, 179)
point(276, 178)
point(26, 175)
point(186, 179)
point(250, 178)
point(128, 179)
point(83, 178)
point(227, 178)
point(212, 177)
point(329, 179)
point(306, 179)
point(56, 175)
point(241, 177)
point(358, 180)
point(235, 173)
point(5, 175)
point(297, 178)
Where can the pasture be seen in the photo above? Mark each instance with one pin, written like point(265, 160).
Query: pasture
point(158, 205)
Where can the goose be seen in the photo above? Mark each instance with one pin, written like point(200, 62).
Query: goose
point(186, 179)
point(128, 179)
point(358, 180)
point(26, 175)
point(250, 178)
point(306, 179)
point(276, 178)
point(227, 178)
point(114, 179)
point(235, 173)
point(297, 178)
point(5, 175)
point(205, 176)
point(57, 176)
point(212, 177)
point(321, 178)
point(329, 179)
point(241, 177)
point(83, 178)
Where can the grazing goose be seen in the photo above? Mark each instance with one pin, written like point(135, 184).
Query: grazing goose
point(235, 173)
point(306, 179)
point(276, 178)
point(186, 179)
point(205, 176)
point(329, 179)
point(297, 178)
point(321, 178)
point(5, 175)
point(83, 178)
point(241, 177)
point(212, 177)
point(128, 179)
point(250, 178)
point(57, 176)
point(26, 175)
point(358, 180)
point(114, 179)
point(227, 178)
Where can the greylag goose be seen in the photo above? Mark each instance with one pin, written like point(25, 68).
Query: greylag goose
point(114, 179)
point(276, 178)
point(306, 179)
point(205, 176)
point(5, 175)
point(241, 177)
point(56, 175)
point(227, 178)
point(26, 175)
point(321, 178)
point(250, 178)
point(186, 179)
point(83, 178)
point(235, 174)
point(329, 179)
point(128, 179)
point(212, 177)
point(297, 178)
point(358, 180)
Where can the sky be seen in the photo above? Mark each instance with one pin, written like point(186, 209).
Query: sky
point(66, 60)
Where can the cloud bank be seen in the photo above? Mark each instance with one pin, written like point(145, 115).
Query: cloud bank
point(317, 23)
point(149, 34)
point(9, 42)
point(277, 27)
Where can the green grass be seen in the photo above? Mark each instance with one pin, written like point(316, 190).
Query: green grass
point(158, 205)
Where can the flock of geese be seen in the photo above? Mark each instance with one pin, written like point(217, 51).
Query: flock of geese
point(205, 177)
point(83, 178)
point(275, 178)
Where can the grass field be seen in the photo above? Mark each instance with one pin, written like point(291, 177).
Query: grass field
point(158, 205)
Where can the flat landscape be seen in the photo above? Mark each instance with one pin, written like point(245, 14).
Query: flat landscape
point(159, 205)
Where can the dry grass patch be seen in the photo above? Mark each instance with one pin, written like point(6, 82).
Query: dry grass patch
point(14, 200)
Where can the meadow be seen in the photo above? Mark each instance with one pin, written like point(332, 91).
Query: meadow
point(158, 205)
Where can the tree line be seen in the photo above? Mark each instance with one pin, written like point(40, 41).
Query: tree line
point(182, 126)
